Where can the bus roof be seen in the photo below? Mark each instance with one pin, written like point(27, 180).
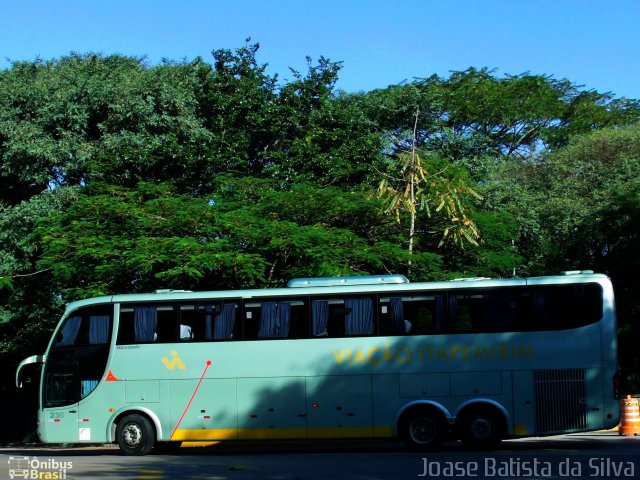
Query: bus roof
point(346, 281)
point(348, 285)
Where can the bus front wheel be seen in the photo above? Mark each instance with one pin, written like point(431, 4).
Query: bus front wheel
point(481, 428)
point(135, 435)
point(423, 428)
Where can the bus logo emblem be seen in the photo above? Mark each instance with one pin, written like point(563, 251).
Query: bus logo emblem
point(19, 467)
point(176, 361)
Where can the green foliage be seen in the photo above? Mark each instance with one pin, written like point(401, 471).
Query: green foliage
point(579, 208)
point(118, 176)
point(27, 301)
point(413, 185)
point(559, 199)
point(114, 239)
point(478, 119)
point(497, 254)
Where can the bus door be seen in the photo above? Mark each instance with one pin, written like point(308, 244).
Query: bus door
point(74, 366)
point(59, 415)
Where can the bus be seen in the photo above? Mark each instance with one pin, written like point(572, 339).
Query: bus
point(479, 360)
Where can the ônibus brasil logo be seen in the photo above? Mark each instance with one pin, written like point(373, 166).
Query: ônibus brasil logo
point(34, 468)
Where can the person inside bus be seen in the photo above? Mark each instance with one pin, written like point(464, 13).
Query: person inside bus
point(185, 332)
point(407, 326)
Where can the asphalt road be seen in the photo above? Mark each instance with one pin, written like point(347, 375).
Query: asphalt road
point(601, 455)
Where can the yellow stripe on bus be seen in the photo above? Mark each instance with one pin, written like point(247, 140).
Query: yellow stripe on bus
point(280, 433)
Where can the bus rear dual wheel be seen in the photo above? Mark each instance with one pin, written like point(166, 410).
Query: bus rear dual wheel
point(423, 428)
point(480, 427)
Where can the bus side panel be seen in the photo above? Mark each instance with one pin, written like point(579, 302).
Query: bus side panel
point(95, 411)
point(609, 341)
point(339, 406)
point(386, 404)
point(87, 420)
point(271, 408)
point(212, 414)
point(594, 402)
point(523, 403)
point(58, 424)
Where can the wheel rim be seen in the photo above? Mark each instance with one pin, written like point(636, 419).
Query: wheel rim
point(132, 435)
point(481, 428)
point(422, 430)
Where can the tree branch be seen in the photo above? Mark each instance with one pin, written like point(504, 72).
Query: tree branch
point(21, 275)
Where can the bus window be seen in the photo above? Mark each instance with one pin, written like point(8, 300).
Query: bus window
point(78, 357)
point(82, 329)
point(554, 307)
point(466, 311)
point(342, 317)
point(275, 319)
point(588, 303)
point(68, 334)
point(148, 323)
point(299, 325)
point(479, 311)
point(411, 315)
point(204, 322)
point(560, 307)
point(191, 322)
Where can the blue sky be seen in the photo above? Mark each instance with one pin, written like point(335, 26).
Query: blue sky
point(381, 42)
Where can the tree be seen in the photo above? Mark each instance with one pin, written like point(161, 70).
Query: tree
point(416, 187)
point(217, 175)
point(27, 302)
point(578, 208)
point(556, 198)
point(114, 240)
point(478, 119)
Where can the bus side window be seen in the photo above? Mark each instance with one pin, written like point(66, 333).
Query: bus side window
point(144, 323)
point(392, 316)
point(411, 315)
point(205, 322)
point(466, 311)
point(573, 306)
point(588, 300)
point(524, 318)
point(276, 318)
point(459, 317)
point(191, 322)
point(299, 325)
point(220, 321)
point(342, 317)
point(86, 327)
point(481, 311)
point(167, 330)
point(501, 308)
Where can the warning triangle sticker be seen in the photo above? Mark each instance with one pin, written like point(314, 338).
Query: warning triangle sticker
point(111, 377)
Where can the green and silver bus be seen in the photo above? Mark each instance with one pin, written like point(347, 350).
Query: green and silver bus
point(325, 358)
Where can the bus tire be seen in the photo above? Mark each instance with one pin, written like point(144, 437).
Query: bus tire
point(135, 435)
point(423, 428)
point(481, 427)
